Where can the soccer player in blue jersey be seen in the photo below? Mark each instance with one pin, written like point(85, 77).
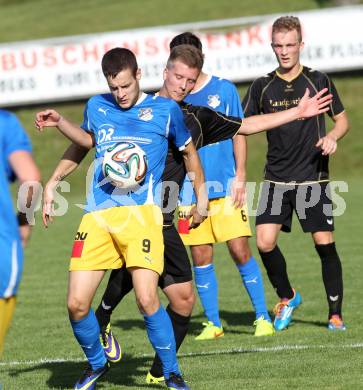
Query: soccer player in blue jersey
point(16, 162)
point(124, 114)
point(227, 194)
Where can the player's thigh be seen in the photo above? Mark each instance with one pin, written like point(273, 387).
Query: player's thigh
point(142, 242)
point(275, 206)
point(93, 247)
point(315, 213)
point(82, 286)
point(203, 234)
point(177, 267)
point(227, 221)
point(11, 266)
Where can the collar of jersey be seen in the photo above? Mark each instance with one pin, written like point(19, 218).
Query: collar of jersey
point(292, 78)
point(141, 98)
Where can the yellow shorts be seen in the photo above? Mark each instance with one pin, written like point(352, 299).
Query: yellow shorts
point(224, 223)
point(110, 238)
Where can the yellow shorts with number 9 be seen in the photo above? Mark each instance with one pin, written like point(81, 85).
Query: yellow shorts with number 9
point(110, 238)
point(224, 223)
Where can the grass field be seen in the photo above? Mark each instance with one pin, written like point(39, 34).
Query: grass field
point(41, 352)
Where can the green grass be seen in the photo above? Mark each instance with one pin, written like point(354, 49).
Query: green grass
point(40, 334)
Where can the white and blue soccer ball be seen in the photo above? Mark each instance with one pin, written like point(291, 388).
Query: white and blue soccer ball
point(125, 165)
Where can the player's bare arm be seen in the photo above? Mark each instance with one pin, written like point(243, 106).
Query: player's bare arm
point(238, 187)
point(193, 166)
point(70, 161)
point(329, 143)
point(51, 118)
point(307, 107)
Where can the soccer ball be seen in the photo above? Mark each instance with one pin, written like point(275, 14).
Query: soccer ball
point(125, 165)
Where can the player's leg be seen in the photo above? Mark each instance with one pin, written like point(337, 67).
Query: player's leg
point(158, 325)
point(231, 225)
point(252, 280)
point(275, 214)
point(144, 257)
point(319, 222)
point(11, 266)
point(81, 289)
point(119, 284)
point(201, 242)
point(177, 285)
point(93, 253)
point(7, 308)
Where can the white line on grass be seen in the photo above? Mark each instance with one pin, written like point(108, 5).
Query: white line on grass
point(277, 348)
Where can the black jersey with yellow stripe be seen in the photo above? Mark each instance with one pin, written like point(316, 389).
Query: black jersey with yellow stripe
point(206, 126)
point(292, 155)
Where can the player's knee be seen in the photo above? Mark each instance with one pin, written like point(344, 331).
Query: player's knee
point(77, 309)
point(264, 244)
point(147, 303)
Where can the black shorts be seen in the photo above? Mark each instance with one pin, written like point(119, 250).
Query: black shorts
point(177, 267)
point(312, 204)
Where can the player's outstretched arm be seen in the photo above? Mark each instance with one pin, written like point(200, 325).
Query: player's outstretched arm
point(70, 161)
point(195, 172)
point(51, 118)
point(306, 108)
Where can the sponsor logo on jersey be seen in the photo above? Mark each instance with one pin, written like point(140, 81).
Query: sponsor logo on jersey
point(145, 114)
point(78, 244)
point(214, 101)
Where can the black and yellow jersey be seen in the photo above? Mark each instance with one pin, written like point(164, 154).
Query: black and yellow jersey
point(292, 155)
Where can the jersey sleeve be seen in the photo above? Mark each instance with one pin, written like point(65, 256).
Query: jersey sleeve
point(215, 127)
point(178, 133)
point(251, 101)
point(14, 139)
point(86, 124)
point(234, 102)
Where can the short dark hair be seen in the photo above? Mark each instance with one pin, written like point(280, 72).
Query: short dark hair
point(186, 38)
point(118, 59)
point(188, 55)
point(287, 23)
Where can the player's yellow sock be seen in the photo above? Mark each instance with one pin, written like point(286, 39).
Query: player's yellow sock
point(7, 307)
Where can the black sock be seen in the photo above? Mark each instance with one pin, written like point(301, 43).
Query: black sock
point(180, 326)
point(275, 266)
point(119, 284)
point(332, 277)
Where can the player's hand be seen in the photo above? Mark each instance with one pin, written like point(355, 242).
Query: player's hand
point(197, 215)
point(315, 105)
point(238, 192)
point(327, 144)
point(48, 203)
point(25, 232)
point(47, 118)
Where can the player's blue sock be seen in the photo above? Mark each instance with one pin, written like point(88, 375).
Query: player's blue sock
point(160, 332)
point(87, 333)
point(253, 282)
point(207, 287)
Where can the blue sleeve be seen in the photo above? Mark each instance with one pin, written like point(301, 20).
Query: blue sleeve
point(86, 124)
point(15, 137)
point(179, 134)
point(234, 102)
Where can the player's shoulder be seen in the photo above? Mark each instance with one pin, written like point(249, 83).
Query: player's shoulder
point(6, 115)
point(223, 83)
point(105, 98)
point(164, 102)
point(315, 75)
